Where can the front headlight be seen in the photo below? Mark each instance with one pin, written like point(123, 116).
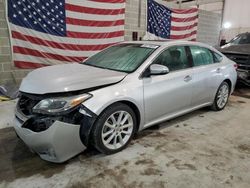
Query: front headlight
point(60, 104)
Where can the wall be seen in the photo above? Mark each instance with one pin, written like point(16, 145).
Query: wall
point(209, 26)
point(237, 13)
point(208, 32)
point(8, 73)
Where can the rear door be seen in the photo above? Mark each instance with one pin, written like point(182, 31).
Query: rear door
point(170, 93)
point(207, 72)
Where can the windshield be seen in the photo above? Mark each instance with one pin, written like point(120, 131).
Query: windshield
point(123, 57)
point(241, 39)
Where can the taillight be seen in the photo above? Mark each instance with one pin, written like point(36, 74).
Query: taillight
point(236, 66)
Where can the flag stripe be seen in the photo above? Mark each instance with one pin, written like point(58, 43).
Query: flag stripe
point(47, 49)
point(89, 10)
point(95, 35)
point(181, 28)
point(28, 65)
point(66, 40)
point(96, 30)
point(97, 17)
point(36, 59)
point(110, 1)
point(27, 51)
point(175, 19)
point(176, 15)
point(82, 22)
point(97, 5)
point(184, 11)
point(183, 36)
point(63, 46)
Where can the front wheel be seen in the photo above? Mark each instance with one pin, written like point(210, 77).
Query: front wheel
point(114, 128)
point(221, 97)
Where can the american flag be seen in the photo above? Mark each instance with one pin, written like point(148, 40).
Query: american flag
point(47, 32)
point(165, 23)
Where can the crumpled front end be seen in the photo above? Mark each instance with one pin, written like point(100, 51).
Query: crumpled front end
point(54, 138)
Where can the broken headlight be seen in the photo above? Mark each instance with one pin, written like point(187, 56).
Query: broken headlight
point(60, 104)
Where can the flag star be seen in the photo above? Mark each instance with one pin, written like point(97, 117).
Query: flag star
point(61, 21)
point(25, 19)
point(43, 7)
point(37, 1)
point(48, 13)
point(44, 25)
point(29, 6)
point(33, 4)
point(52, 1)
point(34, 13)
point(57, 24)
point(53, 27)
point(49, 22)
point(57, 16)
point(56, 7)
point(62, 29)
point(14, 5)
point(38, 10)
point(14, 15)
point(61, 12)
point(52, 10)
point(47, 4)
point(18, 2)
point(39, 19)
point(44, 16)
point(53, 19)
point(35, 22)
point(60, 4)
point(24, 9)
point(19, 12)
point(30, 16)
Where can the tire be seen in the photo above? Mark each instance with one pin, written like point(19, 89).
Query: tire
point(108, 135)
point(221, 97)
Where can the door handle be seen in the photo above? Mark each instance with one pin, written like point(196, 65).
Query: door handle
point(187, 78)
point(218, 70)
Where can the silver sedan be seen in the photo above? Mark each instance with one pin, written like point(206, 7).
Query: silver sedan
point(119, 91)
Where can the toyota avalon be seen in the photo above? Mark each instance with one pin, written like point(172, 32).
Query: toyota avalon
point(121, 90)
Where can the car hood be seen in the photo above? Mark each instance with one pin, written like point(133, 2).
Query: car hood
point(239, 49)
point(68, 77)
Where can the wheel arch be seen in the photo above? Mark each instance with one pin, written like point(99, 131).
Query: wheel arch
point(229, 82)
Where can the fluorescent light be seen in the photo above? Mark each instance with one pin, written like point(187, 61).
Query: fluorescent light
point(227, 25)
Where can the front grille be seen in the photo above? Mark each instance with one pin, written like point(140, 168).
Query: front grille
point(25, 105)
point(243, 60)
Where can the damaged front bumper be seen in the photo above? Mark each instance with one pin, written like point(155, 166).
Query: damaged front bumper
point(55, 138)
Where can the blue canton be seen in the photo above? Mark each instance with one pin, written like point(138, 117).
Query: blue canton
point(47, 16)
point(159, 19)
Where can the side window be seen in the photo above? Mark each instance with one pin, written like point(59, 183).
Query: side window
point(201, 56)
point(175, 58)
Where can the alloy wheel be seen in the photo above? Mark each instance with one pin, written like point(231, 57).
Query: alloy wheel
point(117, 130)
point(222, 96)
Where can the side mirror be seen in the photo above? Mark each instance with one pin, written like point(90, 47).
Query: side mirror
point(157, 69)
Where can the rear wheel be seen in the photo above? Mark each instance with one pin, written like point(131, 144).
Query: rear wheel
point(221, 97)
point(114, 128)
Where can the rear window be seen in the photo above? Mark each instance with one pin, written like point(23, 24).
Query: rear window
point(217, 57)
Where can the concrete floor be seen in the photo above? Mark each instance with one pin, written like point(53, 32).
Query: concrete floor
point(201, 149)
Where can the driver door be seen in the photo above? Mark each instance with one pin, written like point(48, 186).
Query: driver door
point(166, 95)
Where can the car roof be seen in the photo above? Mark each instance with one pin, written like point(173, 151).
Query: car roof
point(167, 42)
